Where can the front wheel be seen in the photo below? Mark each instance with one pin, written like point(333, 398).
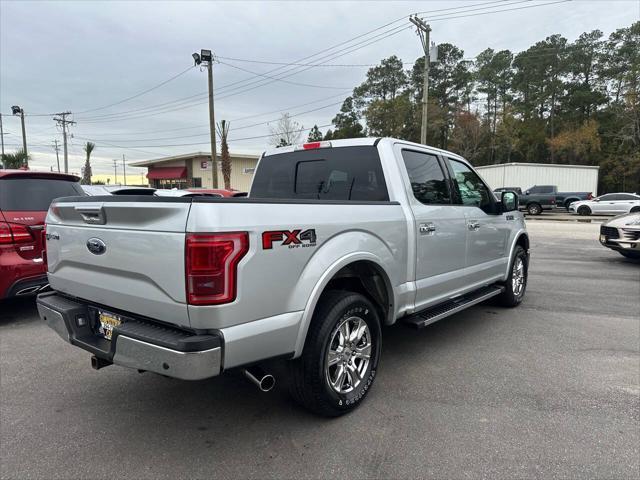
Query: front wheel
point(584, 211)
point(340, 357)
point(516, 283)
point(534, 209)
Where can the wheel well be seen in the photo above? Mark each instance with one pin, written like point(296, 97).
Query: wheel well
point(635, 209)
point(368, 279)
point(523, 241)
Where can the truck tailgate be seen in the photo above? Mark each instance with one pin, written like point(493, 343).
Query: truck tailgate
point(126, 253)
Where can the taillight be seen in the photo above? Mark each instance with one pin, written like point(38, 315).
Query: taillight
point(212, 266)
point(14, 233)
point(43, 242)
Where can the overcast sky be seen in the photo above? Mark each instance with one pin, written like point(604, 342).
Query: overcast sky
point(81, 56)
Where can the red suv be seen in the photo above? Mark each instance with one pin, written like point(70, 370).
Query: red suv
point(25, 197)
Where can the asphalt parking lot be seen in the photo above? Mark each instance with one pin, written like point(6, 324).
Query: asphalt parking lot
point(551, 389)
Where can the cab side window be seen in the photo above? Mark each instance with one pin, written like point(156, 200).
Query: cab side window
point(428, 182)
point(473, 192)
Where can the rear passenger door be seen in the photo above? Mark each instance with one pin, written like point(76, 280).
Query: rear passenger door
point(488, 229)
point(440, 231)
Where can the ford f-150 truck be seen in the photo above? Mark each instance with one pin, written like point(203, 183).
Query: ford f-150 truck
point(335, 240)
point(562, 199)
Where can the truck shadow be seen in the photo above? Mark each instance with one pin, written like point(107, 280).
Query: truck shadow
point(21, 309)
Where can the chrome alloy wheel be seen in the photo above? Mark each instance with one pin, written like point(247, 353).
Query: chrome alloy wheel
point(348, 355)
point(517, 277)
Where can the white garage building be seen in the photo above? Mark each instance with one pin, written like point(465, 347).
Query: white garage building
point(568, 178)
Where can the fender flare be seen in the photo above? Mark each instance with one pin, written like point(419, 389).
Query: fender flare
point(324, 280)
point(519, 234)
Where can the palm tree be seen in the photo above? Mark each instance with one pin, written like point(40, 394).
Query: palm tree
point(86, 171)
point(223, 131)
point(15, 160)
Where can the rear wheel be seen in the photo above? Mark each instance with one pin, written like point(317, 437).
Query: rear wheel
point(516, 283)
point(534, 208)
point(340, 357)
point(584, 210)
point(635, 210)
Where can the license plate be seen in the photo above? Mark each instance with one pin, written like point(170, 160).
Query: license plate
point(106, 323)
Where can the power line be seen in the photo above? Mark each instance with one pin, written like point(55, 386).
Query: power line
point(285, 81)
point(332, 48)
point(233, 130)
point(280, 110)
point(252, 84)
point(139, 94)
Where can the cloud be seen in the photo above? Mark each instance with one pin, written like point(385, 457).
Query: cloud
point(81, 55)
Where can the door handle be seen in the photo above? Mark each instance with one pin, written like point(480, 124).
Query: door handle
point(427, 228)
point(473, 225)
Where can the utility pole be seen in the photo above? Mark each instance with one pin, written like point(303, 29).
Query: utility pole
point(206, 57)
point(57, 149)
point(115, 171)
point(423, 32)
point(124, 170)
point(62, 120)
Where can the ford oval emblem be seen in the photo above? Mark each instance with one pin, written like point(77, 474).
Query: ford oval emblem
point(96, 246)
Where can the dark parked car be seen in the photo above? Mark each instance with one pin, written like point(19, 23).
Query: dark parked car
point(535, 201)
point(24, 200)
point(562, 199)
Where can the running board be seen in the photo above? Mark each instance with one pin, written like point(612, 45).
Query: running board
point(442, 310)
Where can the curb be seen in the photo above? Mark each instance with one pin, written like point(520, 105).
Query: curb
point(576, 220)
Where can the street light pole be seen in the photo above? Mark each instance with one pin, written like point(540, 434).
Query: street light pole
point(207, 57)
point(17, 110)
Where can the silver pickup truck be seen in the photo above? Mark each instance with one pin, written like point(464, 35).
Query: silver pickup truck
point(335, 240)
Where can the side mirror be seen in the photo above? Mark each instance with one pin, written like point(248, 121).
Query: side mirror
point(527, 192)
point(596, 199)
point(509, 201)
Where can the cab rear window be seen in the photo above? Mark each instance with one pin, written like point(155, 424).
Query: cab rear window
point(34, 194)
point(343, 173)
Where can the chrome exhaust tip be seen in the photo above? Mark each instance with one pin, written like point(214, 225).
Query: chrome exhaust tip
point(264, 381)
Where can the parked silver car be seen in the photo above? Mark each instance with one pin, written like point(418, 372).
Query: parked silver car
point(622, 234)
point(609, 204)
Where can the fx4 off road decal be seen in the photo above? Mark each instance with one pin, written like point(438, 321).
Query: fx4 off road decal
point(292, 239)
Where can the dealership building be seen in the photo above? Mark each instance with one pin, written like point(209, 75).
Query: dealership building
point(194, 170)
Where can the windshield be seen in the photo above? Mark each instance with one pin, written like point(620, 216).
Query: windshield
point(34, 194)
point(344, 173)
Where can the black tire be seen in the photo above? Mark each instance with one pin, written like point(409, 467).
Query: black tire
point(583, 210)
point(309, 384)
point(534, 208)
point(635, 210)
point(634, 255)
point(567, 203)
point(510, 298)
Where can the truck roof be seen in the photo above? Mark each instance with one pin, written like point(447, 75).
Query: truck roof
point(352, 142)
point(11, 173)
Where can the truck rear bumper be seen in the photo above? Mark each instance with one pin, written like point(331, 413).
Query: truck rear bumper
point(137, 343)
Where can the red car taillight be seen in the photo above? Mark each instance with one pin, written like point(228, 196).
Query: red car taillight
point(212, 265)
point(14, 233)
